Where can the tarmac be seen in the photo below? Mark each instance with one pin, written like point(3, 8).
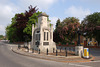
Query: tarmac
point(68, 59)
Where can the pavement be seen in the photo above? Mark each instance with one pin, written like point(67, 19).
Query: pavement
point(73, 59)
point(8, 58)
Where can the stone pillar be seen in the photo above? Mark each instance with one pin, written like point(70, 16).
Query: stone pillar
point(79, 50)
point(41, 38)
point(29, 46)
point(51, 33)
point(32, 36)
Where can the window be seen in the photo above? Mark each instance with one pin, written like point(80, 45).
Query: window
point(50, 35)
point(47, 36)
point(37, 43)
point(44, 35)
point(37, 35)
point(38, 31)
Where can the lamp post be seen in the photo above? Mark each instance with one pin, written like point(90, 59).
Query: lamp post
point(79, 48)
point(79, 33)
point(85, 39)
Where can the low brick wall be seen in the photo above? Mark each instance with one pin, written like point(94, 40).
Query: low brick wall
point(92, 46)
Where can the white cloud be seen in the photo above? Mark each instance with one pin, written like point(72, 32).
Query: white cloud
point(2, 29)
point(5, 17)
point(90, 2)
point(78, 12)
point(53, 21)
point(42, 4)
point(7, 11)
point(5, 14)
point(9, 8)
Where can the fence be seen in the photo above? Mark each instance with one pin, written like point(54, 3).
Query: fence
point(60, 51)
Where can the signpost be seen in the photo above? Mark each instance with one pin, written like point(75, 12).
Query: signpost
point(86, 53)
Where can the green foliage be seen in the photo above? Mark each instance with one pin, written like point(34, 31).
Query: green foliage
point(91, 25)
point(11, 31)
point(1, 37)
point(66, 31)
point(21, 22)
point(32, 20)
point(48, 19)
point(70, 20)
point(58, 23)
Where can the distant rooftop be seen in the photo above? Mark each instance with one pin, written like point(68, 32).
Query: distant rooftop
point(43, 14)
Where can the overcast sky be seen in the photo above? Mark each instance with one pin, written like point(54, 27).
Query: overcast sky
point(54, 8)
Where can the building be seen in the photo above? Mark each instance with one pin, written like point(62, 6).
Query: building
point(42, 34)
point(88, 41)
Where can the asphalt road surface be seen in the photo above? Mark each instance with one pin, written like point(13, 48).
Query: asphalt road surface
point(11, 59)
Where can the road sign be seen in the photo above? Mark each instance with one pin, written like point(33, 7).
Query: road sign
point(86, 53)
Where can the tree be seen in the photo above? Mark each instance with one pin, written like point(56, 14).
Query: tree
point(23, 18)
point(1, 37)
point(58, 23)
point(66, 30)
point(91, 25)
point(21, 24)
point(11, 31)
point(56, 37)
point(32, 20)
point(14, 31)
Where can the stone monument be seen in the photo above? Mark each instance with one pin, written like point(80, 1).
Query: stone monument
point(42, 35)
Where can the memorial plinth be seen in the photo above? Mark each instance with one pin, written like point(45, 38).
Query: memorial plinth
point(42, 35)
point(79, 50)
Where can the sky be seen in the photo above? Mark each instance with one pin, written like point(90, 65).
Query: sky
point(54, 8)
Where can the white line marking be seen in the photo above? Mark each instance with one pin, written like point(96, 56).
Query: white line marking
point(96, 61)
point(79, 65)
point(90, 61)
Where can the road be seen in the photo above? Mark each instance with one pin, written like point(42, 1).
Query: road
point(11, 59)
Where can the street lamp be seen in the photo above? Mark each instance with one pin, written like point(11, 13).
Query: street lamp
point(79, 33)
point(84, 34)
point(79, 47)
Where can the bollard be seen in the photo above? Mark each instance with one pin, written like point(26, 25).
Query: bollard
point(39, 51)
point(18, 46)
point(66, 53)
point(24, 45)
point(53, 50)
point(81, 54)
point(47, 51)
point(33, 50)
point(65, 48)
point(28, 49)
point(60, 49)
point(77, 52)
point(56, 52)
